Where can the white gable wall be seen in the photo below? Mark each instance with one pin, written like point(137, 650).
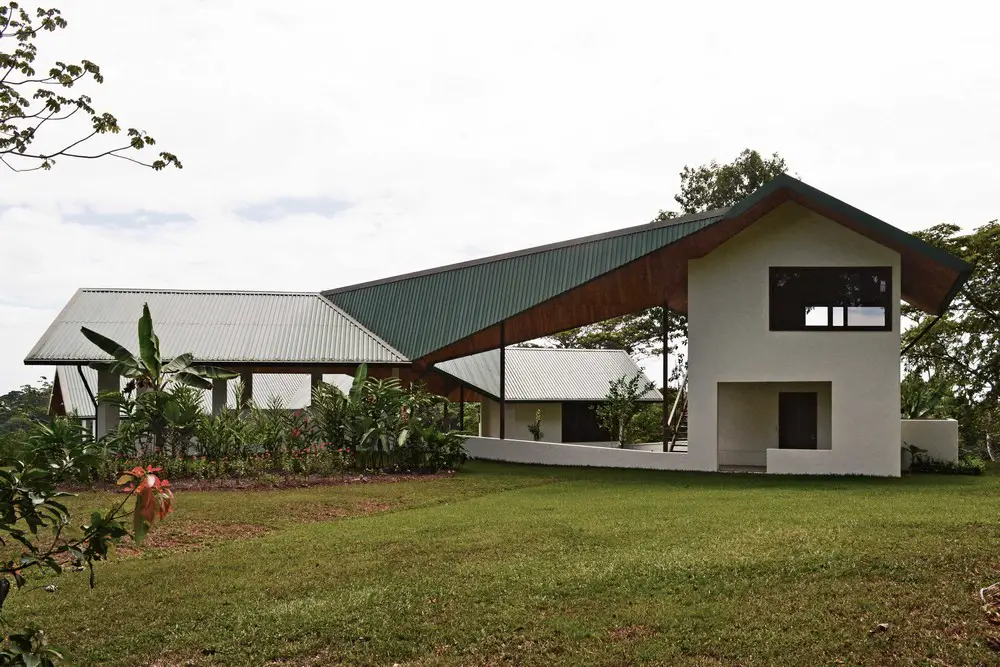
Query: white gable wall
point(730, 341)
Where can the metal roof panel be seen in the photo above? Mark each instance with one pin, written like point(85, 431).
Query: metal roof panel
point(218, 327)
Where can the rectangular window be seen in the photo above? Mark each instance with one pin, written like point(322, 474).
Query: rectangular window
point(820, 298)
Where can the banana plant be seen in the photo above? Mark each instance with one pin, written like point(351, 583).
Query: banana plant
point(158, 406)
point(148, 369)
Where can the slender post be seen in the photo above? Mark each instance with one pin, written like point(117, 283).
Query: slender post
point(503, 384)
point(461, 407)
point(220, 392)
point(106, 418)
point(664, 331)
point(444, 415)
point(243, 401)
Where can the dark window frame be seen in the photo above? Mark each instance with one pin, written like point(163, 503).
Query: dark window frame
point(774, 319)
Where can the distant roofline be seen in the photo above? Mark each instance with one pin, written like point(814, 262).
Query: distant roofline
point(691, 217)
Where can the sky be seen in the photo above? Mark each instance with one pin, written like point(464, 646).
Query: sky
point(330, 143)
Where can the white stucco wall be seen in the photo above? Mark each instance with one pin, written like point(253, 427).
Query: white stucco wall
point(730, 342)
point(748, 419)
point(938, 436)
point(519, 416)
point(565, 454)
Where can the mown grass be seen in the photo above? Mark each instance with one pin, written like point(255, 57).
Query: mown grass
point(542, 566)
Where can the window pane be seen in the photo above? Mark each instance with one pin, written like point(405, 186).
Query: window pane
point(838, 317)
point(816, 316)
point(866, 316)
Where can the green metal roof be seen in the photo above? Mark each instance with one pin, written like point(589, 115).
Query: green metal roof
point(419, 313)
point(865, 220)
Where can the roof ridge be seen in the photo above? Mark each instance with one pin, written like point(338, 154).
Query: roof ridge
point(524, 252)
point(235, 292)
point(378, 339)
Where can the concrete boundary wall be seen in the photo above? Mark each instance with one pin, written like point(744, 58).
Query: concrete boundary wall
point(560, 454)
point(938, 436)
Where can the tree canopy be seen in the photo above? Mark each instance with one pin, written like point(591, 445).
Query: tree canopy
point(24, 407)
point(961, 350)
point(39, 104)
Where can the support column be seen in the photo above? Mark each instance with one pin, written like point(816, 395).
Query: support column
point(665, 331)
point(243, 401)
point(503, 383)
point(315, 380)
point(461, 407)
point(107, 413)
point(444, 415)
point(220, 394)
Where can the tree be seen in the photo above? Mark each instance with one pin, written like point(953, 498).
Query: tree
point(32, 104)
point(622, 404)
point(715, 185)
point(703, 188)
point(20, 408)
point(961, 350)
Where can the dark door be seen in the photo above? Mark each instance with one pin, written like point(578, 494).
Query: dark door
point(797, 421)
point(579, 424)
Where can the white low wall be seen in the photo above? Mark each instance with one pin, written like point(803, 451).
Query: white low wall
point(646, 446)
point(938, 436)
point(805, 462)
point(559, 454)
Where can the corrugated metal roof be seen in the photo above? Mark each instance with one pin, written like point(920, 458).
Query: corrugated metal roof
point(292, 388)
point(547, 374)
point(422, 312)
point(219, 327)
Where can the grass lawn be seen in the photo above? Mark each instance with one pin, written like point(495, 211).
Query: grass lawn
point(509, 565)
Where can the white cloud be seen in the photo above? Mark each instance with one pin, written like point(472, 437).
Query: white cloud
point(451, 130)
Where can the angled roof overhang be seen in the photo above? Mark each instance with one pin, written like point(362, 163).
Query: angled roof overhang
point(456, 310)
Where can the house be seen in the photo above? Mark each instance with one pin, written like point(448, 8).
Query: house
point(563, 386)
point(792, 298)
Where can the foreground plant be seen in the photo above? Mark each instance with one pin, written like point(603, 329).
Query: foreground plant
point(30, 505)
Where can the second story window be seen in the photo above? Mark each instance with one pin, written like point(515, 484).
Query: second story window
point(822, 298)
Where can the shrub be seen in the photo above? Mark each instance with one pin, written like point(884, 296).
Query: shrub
point(430, 449)
point(535, 427)
point(965, 465)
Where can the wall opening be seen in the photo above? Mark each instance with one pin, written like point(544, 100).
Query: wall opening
point(756, 416)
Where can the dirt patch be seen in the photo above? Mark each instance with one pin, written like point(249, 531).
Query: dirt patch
point(283, 482)
point(629, 633)
point(311, 512)
point(190, 536)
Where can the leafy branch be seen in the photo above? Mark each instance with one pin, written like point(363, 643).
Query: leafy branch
point(30, 101)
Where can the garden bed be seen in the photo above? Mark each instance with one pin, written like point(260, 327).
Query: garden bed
point(280, 481)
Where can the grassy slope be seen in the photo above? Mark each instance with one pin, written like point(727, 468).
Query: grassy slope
point(518, 565)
